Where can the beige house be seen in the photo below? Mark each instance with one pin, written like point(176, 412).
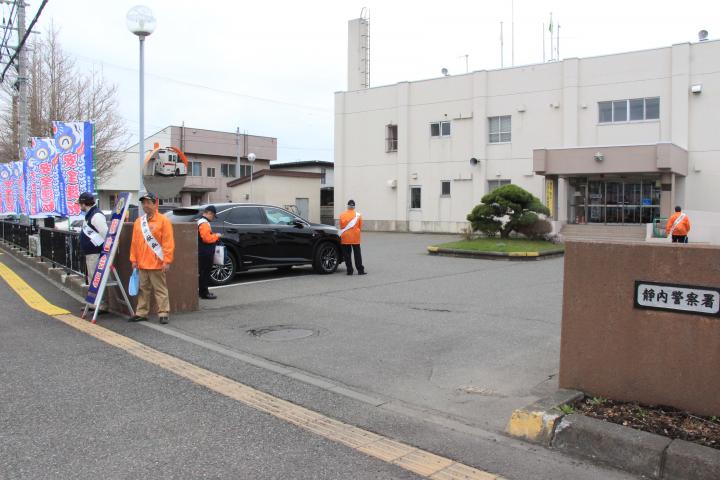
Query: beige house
point(213, 161)
point(327, 182)
point(609, 140)
point(296, 191)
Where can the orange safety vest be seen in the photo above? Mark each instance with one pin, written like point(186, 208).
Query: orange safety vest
point(683, 226)
point(140, 251)
point(351, 236)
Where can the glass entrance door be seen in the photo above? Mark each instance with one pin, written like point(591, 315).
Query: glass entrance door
point(614, 200)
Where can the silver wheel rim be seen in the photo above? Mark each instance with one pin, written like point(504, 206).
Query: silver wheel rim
point(328, 258)
point(222, 273)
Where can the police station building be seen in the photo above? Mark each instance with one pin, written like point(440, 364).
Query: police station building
point(610, 140)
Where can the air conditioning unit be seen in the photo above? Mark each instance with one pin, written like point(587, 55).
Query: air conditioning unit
point(34, 245)
point(392, 183)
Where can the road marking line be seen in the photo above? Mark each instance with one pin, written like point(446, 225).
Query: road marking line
point(413, 459)
point(247, 283)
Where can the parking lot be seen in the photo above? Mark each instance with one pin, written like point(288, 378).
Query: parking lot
point(469, 338)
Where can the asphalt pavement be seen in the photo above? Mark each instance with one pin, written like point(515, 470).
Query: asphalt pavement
point(74, 407)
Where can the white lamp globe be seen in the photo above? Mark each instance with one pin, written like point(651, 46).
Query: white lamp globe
point(141, 21)
point(251, 158)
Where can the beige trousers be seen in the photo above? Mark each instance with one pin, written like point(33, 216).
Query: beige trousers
point(153, 281)
point(90, 263)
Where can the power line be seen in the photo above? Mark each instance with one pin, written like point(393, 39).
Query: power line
point(22, 41)
point(213, 89)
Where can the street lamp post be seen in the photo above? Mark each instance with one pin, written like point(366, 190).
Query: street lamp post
point(251, 159)
point(141, 22)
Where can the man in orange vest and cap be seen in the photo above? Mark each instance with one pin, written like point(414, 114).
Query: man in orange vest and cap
point(678, 226)
point(350, 226)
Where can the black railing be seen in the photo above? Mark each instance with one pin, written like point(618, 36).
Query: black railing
point(62, 248)
point(17, 234)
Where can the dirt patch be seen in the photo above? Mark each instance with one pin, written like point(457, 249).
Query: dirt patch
point(666, 421)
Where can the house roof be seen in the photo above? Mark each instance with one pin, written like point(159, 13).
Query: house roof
point(302, 163)
point(273, 173)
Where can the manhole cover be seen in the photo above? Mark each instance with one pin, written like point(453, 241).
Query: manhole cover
point(282, 333)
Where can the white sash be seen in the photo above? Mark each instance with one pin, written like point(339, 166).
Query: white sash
point(350, 224)
point(676, 223)
point(202, 220)
point(94, 236)
point(150, 239)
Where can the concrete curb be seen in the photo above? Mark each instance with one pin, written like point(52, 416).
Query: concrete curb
point(452, 252)
point(621, 447)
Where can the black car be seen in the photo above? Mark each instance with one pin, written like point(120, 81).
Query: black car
point(265, 236)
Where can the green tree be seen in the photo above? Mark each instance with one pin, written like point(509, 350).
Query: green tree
point(507, 209)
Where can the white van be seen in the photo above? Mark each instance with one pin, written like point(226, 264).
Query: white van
point(167, 164)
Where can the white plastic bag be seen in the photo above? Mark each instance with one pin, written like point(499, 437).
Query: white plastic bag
point(219, 257)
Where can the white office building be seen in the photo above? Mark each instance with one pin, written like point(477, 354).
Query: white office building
point(609, 140)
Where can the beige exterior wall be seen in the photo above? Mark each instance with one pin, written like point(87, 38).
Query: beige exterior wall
point(210, 147)
point(552, 105)
point(280, 191)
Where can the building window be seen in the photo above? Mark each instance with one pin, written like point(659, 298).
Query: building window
point(440, 129)
point(211, 172)
point(195, 169)
point(323, 176)
point(500, 129)
point(415, 195)
point(391, 138)
point(632, 110)
point(228, 170)
point(495, 184)
point(445, 188)
point(244, 170)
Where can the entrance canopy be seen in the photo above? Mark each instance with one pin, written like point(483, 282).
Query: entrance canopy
point(654, 158)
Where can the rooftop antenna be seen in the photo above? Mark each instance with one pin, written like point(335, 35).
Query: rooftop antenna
point(552, 41)
point(444, 71)
point(467, 67)
point(543, 35)
point(702, 35)
point(501, 45)
point(512, 33)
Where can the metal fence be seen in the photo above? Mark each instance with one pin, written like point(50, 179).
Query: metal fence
point(62, 248)
point(17, 234)
point(59, 247)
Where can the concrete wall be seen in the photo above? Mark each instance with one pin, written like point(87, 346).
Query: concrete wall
point(553, 105)
point(182, 279)
point(611, 349)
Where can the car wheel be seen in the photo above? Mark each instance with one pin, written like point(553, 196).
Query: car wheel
point(327, 257)
point(224, 274)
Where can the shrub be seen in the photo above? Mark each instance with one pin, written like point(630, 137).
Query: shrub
point(507, 209)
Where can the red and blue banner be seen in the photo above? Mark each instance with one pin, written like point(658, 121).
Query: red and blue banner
point(74, 146)
point(52, 174)
point(44, 189)
point(12, 185)
point(102, 270)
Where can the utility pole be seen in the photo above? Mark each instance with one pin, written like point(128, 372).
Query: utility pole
point(21, 81)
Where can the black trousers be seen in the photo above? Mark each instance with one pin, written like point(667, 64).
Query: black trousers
point(353, 249)
point(205, 263)
point(679, 239)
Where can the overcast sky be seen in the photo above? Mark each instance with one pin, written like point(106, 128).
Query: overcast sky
point(270, 67)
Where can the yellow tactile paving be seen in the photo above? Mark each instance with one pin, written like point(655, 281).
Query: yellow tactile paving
point(28, 294)
point(418, 461)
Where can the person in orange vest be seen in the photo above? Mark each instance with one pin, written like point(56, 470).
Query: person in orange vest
point(678, 226)
point(350, 226)
point(206, 250)
point(151, 251)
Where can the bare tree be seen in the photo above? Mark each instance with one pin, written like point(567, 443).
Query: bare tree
point(59, 91)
